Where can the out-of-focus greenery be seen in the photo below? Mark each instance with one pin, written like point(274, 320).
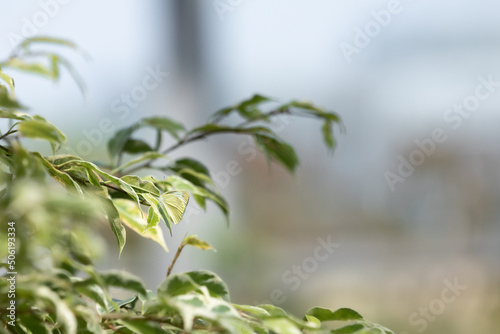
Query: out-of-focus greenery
point(51, 209)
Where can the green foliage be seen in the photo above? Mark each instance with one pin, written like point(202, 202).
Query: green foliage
point(55, 205)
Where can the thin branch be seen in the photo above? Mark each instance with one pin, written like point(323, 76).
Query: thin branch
point(177, 254)
point(264, 116)
point(203, 135)
point(121, 191)
point(8, 132)
point(187, 139)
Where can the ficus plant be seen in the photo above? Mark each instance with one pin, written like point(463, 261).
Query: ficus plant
point(52, 208)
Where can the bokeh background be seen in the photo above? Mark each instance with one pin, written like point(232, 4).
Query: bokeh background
point(397, 249)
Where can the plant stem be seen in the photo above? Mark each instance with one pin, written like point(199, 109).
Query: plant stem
point(187, 139)
point(8, 133)
point(177, 145)
point(179, 250)
point(120, 190)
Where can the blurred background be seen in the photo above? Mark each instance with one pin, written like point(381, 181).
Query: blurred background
point(394, 70)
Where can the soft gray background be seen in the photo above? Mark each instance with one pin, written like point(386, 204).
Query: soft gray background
point(396, 248)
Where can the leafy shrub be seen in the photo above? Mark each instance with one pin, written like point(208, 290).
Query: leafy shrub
point(52, 207)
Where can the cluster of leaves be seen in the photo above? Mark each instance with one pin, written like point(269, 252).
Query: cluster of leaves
point(54, 205)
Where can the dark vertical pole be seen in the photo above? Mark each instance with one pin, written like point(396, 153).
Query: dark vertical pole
point(188, 48)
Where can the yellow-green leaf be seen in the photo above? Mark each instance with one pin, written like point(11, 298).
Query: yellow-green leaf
point(175, 202)
point(131, 216)
point(41, 129)
point(8, 80)
point(115, 223)
point(7, 99)
point(194, 241)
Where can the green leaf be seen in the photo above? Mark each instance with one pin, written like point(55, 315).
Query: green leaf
point(201, 201)
point(158, 209)
point(54, 61)
point(5, 159)
point(215, 128)
point(217, 116)
point(113, 179)
point(211, 127)
point(282, 326)
point(143, 326)
point(115, 223)
point(91, 290)
point(181, 183)
point(314, 110)
point(279, 151)
point(128, 303)
point(313, 320)
point(170, 206)
point(192, 164)
point(14, 114)
point(153, 219)
point(8, 80)
point(79, 173)
point(93, 177)
point(253, 310)
point(60, 159)
point(273, 310)
point(132, 217)
point(176, 182)
point(117, 143)
point(178, 284)
point(371, 331)
point(343, 314)
point(50, 40)
point(65, 317)
point(195, 172)
point(198, 179)
point(247, 109)
point(349, 329)
point(328, 134)
point(124, 280)
point(141, 186)
point(25, 164)
point(215, 285)
point(134, 146)
point(33, 68)
point(234, 325)
point(7, 100)
point(194, 241)
point(254, 100)
point(41, 129)
point(220, 202)
point(165, 124)
point(306, 105)
point(60, 176)
point(34, 324)
point(193, 281)
point(277, 312)
point(174, 204)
